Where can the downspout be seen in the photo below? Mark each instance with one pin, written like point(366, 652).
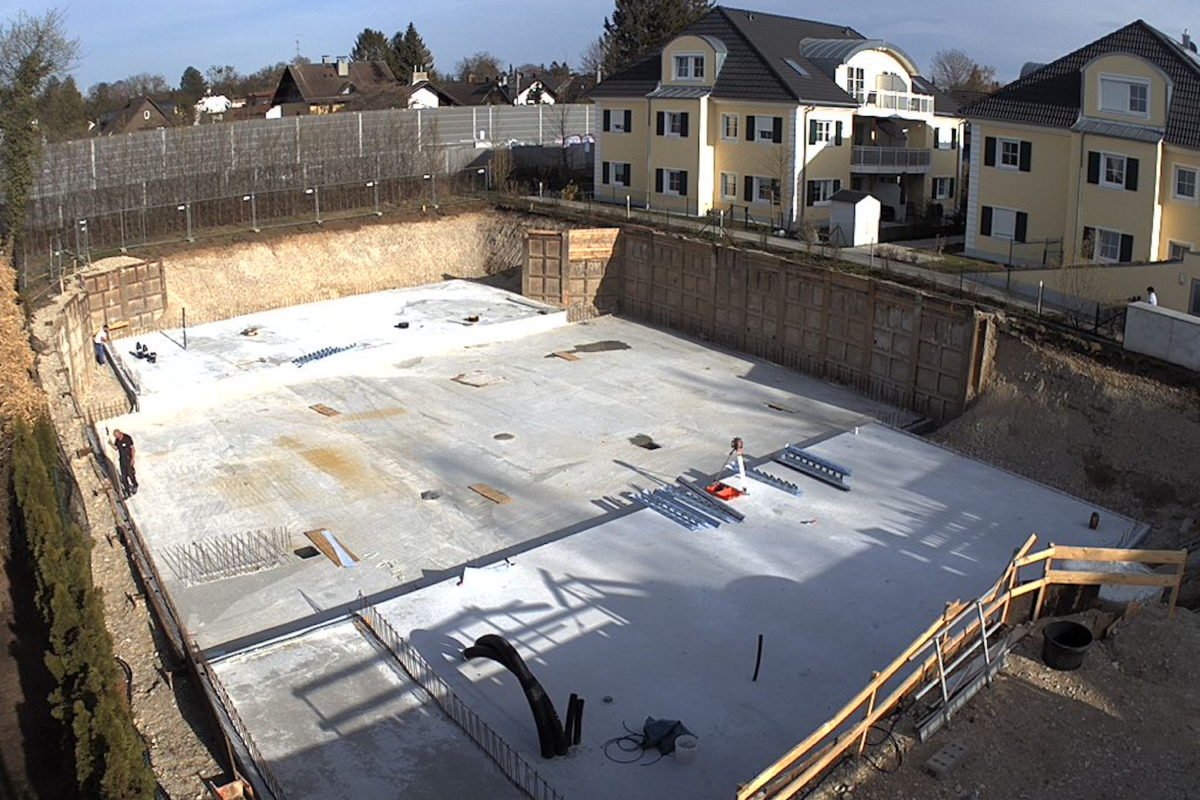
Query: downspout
point(802, 202)
point(1080, 179)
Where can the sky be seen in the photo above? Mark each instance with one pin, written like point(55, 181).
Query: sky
point(119, 38)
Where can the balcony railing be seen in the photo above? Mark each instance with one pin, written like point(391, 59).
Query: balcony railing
point(901, 159)
point(886, 100)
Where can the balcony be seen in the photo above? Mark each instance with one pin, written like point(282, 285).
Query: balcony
point(877, 160)
point(885, 103)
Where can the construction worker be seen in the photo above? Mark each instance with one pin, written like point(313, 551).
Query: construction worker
point(98, 342)
point(125, 456)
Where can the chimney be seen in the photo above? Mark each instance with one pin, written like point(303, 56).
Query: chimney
point(470, 77)
point(1188, 44)
point(419, 74)
point(343, 67)
point(326, 59)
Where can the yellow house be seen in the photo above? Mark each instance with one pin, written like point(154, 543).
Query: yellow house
point(765, 117)
point(1093, 158)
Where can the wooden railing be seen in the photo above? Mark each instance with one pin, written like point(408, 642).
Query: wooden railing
point(960, 626)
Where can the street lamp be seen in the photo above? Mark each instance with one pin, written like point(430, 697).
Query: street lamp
point(316, 193)
point(253, 211)
point(186, 208)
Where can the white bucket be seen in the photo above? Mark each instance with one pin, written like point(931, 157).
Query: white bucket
point(685, 749)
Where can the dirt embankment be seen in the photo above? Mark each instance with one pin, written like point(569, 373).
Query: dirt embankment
point(216, 282)
point(1123, 440)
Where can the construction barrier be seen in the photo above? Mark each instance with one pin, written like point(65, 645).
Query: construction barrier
point(962, 630)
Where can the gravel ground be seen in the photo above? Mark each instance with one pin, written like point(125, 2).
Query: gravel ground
point(1124, 725)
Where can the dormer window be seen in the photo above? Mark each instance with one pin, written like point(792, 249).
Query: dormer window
point(689, 67)
point(1129, 96)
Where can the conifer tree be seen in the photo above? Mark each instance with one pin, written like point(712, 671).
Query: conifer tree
point(637, 27)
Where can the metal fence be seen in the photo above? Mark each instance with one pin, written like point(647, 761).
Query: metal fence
point(510, 762)
point(120, 192)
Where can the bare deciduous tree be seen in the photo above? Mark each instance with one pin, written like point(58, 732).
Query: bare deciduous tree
point(954, 69)
point(592, 60)
point(480, 65)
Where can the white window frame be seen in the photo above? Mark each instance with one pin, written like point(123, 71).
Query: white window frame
point(668, 175)
point(1187, 247)
point(1195, 195)
point(1010, 214)
point(1000, 163)
point(733, 178)
point(827, 190)
point(944, 194)
point(1129, 83)
point(146, 115)
point(612, 173)
point(945, 139)
point(760, 185)
point(1098, 246)
point(764, 135)
point(616, 120)
point(824, 130)
point(856, 83)
point(726, 119)
point(691, 60)
point(1105, 158)
point(673, 124)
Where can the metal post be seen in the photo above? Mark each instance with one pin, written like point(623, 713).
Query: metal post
point(184, 314)
point(375, 187)
point(628, 210)
point(121, 214)
point(1041, 285)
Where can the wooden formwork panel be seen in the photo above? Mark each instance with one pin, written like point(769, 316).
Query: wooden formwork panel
point(542, 275)
point(134, 293)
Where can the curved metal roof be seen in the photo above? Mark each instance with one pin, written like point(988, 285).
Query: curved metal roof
point(839, 51)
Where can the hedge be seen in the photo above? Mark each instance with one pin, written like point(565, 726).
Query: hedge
point(109, 756)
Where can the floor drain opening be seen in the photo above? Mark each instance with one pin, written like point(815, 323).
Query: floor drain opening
point(306, 552)
point(503, 437)
point(645, 442)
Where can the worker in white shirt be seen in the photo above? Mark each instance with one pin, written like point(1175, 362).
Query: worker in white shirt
point(1151, 297)
point(98, 341)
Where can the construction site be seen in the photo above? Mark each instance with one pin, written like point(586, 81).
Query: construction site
point(502, 505)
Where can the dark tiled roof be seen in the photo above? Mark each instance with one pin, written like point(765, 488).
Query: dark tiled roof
point(321, 82)
point(944, 103)
point(465, 93)
point(763, 61)
point(1050, 96)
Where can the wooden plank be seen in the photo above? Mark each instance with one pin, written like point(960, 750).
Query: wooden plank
point(320, 539)
point(1073, 578)
point(1041, 555)
point(566, 355)
point(324, 410)
point(1110, 554)
point(1024, 589)
point(495, 495)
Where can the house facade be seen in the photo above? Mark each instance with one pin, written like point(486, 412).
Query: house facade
point(767, 117)
point(139, 114)
point(1093, 158)
point(330, 86)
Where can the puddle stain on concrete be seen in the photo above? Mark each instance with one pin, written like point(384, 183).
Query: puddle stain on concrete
point(351, 473)
point(378, 413)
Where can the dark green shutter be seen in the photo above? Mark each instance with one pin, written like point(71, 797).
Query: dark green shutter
point(777, 130)
point(658, 180)
point(749, 127)
point(1093, 175)
point(628, 120)
point(662, 123)
point(1131, 174)
point(683, 124)
point(810, 194)
point(1026, 161)
point(812, 131)
point(837, 135)
point(750, 186)
point(951, 192)
point(954, 138)
point(985, 222)
point(605, 172)
point(837, 186)
point(683, 182)
point(1126, 248)
point(1022, 226)
point(937, 137)
point(989, 151)
point(607, 120)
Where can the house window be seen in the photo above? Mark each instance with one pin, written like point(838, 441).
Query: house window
point(1128, 96)
point(943, 188)
point(146, 115)
point(675, 123)
point(764, 190)
point(620, 174)
point(1004, 223)
point(1112, 171)
point(1010, 153)
point(676, 182)
point(856, 83)
point(822, 131)
point(621, 119)
point(729, 126)
point(766, 132)
point(689, 67)
point(1177, 250)
point(1108, 245)
point(820, 192)
point(728, 185)
point(1185, 184)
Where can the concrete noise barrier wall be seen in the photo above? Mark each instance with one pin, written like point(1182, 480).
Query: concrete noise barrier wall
point(896, 344)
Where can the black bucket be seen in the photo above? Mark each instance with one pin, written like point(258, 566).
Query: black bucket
point(1064, 644)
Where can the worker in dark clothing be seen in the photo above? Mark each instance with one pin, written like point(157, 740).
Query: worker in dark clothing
point(125, 455)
